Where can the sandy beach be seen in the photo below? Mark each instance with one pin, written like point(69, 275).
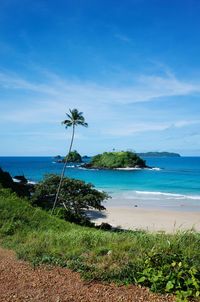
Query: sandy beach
point(148, 219)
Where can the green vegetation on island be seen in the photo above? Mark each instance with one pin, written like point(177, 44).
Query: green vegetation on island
point(73, 157)
point(166, 263)
point(159, 154)
point(114, 160)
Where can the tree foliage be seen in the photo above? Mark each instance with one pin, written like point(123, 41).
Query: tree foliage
point(74, 118)
point(121, 159)
point(74, 157)
point(75, 197)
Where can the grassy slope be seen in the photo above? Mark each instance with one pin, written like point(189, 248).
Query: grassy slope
point(40, 238)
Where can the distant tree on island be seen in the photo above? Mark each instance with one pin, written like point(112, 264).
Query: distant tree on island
point(74, 118)
point(73, 157)
point(113, 160)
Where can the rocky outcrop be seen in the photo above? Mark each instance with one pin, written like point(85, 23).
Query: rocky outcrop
point(19, 184)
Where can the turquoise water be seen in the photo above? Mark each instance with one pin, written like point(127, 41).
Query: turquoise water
point(176, 182)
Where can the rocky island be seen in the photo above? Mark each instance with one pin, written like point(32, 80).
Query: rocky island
point(74, 157)
point(125, 160)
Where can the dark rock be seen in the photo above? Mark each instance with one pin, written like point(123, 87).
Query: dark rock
point(57, 157)
point(105, 226)
point(60, 161)
point(22, 188)
point(21, 178)
point(5, 179)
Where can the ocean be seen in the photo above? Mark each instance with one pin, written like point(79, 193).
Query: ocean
point(174, 183)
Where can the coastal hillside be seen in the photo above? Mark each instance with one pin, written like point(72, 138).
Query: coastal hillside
point(114, 160)
point(165, 263)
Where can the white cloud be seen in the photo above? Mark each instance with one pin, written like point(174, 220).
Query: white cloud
point(130, 129)
point(49, 98)
point(183, 123)
point(143, 88)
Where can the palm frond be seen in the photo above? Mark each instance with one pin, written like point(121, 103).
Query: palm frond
point(69, 116)
point(66, 122)
point(82, 123)
point(74, 118)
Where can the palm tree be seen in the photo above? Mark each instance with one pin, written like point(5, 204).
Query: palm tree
point(75, 118)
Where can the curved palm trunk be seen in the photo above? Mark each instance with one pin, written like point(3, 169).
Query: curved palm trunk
point(63, 170)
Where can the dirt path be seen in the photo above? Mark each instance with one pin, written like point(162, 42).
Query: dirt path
point(20, 282)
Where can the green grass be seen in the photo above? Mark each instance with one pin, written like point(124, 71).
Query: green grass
point(164, 262)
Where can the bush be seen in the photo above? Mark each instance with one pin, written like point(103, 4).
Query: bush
point(171, 272)
point(75, 195)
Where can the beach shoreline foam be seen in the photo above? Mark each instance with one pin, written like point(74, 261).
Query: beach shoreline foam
point(151, 211)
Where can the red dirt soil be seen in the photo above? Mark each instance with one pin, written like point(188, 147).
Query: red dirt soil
point(20, 282)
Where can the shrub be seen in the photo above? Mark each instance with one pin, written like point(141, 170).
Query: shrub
point(169, 272)
point(76, 196)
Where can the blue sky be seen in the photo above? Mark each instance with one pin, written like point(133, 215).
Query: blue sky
point(132, 67)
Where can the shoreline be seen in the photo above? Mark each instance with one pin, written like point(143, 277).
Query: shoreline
point(154, 201)
point(148, 219)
